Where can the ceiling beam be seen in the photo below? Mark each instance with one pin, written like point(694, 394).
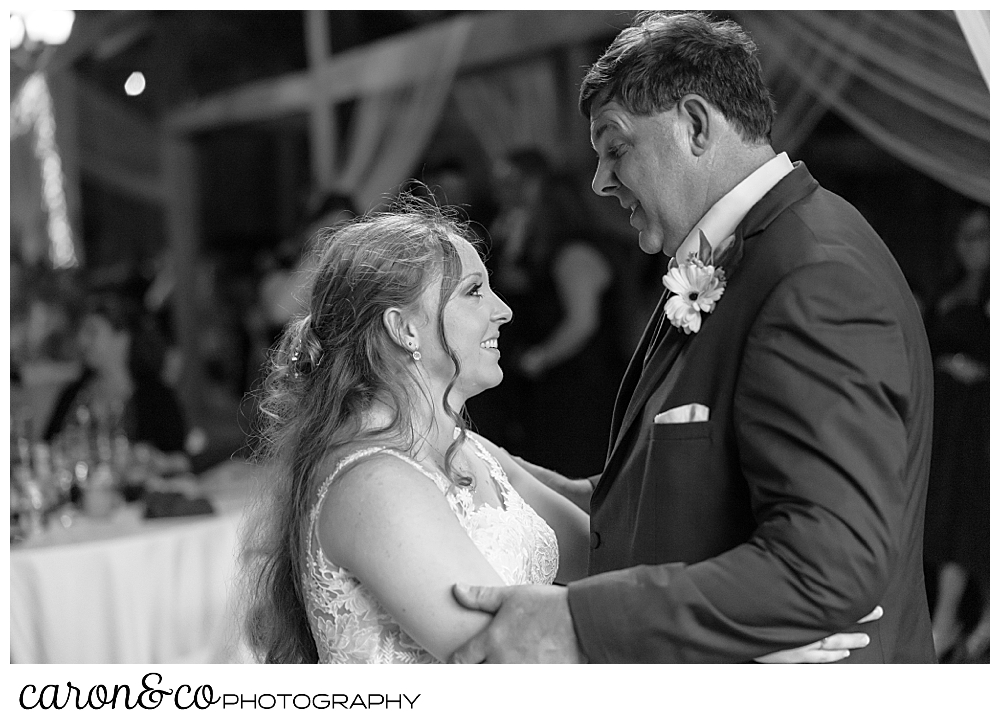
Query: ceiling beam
point(91, 28)
point(322, 125)
point(496, 37)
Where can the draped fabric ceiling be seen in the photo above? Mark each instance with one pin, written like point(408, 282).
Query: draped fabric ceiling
point(391, 128)
point(910, 81)
point(913, 82)
point(905, 79)
point(514, 107)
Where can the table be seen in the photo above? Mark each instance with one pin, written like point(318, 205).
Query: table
point(129, 590)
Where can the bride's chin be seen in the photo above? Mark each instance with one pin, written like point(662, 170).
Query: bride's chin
point(487, 385)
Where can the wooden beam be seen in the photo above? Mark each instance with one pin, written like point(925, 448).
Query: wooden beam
point(322, 124)
point(145, 186)
point(260, 101)
point(497, 37)
point(180, 170)
point(513, 35)
point(90, 27)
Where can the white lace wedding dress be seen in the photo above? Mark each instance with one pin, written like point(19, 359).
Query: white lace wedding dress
point(349, 625)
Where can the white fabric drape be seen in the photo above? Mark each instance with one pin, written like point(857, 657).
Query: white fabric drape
point(391, 128)
point(975, 26)
point(514, 107)
point(905, 79)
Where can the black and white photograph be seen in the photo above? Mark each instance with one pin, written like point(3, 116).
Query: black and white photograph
point(523, 336)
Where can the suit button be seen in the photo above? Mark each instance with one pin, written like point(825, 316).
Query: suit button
point(595, 540)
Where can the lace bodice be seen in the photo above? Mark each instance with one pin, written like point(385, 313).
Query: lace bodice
point(348, 623)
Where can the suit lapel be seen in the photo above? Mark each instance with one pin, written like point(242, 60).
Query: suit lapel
point(634, 371)
point(647, 382)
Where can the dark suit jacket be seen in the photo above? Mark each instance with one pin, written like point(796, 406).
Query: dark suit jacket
point(799, 505)
point(153, 414)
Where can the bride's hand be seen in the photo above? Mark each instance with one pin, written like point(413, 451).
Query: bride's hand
point(832, 648)
point(577, 490)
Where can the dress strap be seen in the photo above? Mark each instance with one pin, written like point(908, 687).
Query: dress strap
point(496, 469)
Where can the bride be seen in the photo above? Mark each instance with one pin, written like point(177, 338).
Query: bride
point(380, 497)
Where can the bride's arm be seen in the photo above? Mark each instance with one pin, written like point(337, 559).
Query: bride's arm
point(572, 525)
point(391, 527)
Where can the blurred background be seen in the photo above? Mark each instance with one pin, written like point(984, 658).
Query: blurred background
point(169, 167)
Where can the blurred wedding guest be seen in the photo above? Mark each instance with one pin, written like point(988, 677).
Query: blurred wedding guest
point(957, 534)
point(42, 350)
point(452, 185)
point(281, 287)
point(122, 381)
point(565, 361)
point(158, 299)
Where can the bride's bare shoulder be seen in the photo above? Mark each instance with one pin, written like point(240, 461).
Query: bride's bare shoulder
point(376, 485)
point(382, 503)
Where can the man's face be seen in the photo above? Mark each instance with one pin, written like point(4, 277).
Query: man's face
point(645, 162)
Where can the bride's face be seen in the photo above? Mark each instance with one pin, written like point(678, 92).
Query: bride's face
point(472, 319)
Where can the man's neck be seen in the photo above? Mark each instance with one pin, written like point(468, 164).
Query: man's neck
point(741, 161)
point(719, 221)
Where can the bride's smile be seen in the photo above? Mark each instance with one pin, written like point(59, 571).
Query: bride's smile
point(473, 316)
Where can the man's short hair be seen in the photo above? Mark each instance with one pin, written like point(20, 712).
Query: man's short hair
point(661, 57)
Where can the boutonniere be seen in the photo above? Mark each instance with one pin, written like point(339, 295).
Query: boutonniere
point(697, 286)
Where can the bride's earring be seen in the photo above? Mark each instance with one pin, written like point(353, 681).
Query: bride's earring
point(415, 353)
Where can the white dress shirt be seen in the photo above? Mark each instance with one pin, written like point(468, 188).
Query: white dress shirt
point(719, 222)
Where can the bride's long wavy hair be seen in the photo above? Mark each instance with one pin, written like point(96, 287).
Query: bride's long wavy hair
point(328, 369)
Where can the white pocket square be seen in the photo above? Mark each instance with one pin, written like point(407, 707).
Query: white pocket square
point(685, 413)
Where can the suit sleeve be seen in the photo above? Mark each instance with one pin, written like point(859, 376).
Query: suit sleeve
point(819, 410)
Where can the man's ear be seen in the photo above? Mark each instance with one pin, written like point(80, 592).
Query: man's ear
point(696, 114)
point(402, 331)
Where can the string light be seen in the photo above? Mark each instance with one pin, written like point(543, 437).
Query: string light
point(135, 84)
point(48, 27)
point(16, 31)
point(32, 110)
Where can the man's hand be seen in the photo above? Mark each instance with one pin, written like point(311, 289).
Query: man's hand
point(531, 625)
point(577, 490)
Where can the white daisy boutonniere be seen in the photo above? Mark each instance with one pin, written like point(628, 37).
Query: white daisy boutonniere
point(697, 286)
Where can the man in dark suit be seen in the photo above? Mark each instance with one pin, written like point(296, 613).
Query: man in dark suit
point(770, 445)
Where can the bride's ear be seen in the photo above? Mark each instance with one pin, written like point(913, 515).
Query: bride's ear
point(402, 331)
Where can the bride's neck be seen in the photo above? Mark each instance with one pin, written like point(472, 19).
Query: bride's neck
point(434, 428)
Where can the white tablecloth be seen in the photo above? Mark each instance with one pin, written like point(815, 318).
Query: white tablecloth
point(128, 590)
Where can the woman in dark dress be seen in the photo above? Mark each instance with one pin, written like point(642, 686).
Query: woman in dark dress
point(958, 503)
point(562, 362)
point(121, 385)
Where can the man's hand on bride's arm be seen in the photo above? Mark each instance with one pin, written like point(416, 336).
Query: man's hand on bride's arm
point(531, 625)
point(832, 648)
point(577, 490)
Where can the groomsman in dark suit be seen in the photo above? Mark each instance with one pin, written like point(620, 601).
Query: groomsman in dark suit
point(768, 468)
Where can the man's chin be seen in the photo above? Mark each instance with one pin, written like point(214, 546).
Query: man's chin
point(650, 242)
